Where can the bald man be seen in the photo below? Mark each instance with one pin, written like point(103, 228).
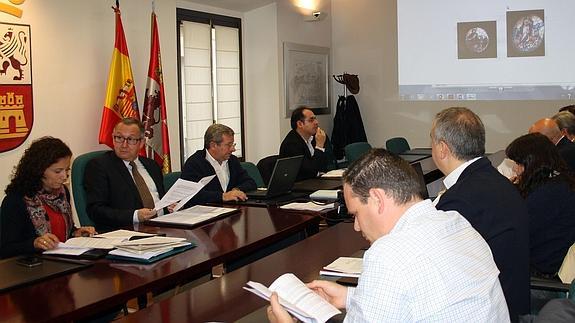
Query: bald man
point(550, 129)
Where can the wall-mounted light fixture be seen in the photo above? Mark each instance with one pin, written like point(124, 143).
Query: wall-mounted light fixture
point(314, 16)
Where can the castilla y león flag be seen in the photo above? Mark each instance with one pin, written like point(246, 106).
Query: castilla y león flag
point(154, 119)
point(121, 93)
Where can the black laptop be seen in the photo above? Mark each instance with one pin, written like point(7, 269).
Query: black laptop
point(282, 179)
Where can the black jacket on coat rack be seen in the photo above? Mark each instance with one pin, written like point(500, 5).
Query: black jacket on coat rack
point(347, 125)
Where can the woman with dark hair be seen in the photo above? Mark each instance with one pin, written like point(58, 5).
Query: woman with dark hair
point(36, 212)
point(544, 180)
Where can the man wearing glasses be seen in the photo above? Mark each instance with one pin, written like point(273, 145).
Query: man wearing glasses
point(231, 179)
point(122, 187)
point(308, 139)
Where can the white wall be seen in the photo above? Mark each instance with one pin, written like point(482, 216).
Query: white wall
point(364, 42)
point(72, 43)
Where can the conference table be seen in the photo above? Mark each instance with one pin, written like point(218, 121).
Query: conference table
point(106, 284)
point(224, 300)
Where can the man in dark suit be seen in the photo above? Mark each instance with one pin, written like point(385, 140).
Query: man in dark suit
point(122, 187)
point(550, 129)
point(308, 139)
point(231, 181)
point(487, 199)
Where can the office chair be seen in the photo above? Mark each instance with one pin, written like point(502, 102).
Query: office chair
point(254, 173)
point(78, 168)
point(266, 167)
point(355, 150)
point(170, 179)
point(397, 145)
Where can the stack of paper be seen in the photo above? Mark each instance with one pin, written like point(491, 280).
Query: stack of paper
point(79, 245)
point(344, 267)
point(296, 298)
point(307, 206)
point(336, 173)
point(192, 216)
point(147, 248)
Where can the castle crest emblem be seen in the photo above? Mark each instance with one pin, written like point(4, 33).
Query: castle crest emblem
point(16, 104)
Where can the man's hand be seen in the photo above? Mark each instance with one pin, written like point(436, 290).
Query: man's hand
point(234, 195)
point(146, 214)
point(332, 292)
point(276, 313)
point(320, 138)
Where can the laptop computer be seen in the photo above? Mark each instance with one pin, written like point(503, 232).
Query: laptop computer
point(282, 179)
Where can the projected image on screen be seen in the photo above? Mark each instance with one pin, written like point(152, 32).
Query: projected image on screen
point(525, 33)
point(476, 40)
point(485, 50)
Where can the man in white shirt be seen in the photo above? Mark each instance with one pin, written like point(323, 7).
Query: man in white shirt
point(231, 181)
point(423, 264)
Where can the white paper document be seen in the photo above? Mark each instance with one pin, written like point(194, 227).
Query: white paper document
point(123, 234)
point(296, 298)
point(307, 206)
point(182, 191)
point(336, 173)
point(344, 267)
point(193, 215)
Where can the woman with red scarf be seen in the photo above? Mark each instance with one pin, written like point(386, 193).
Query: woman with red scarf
point(36, 212)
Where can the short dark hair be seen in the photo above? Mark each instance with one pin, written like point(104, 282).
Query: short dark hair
point(462, 131)
point(297, 115)
point(379, 168)
point(541, 162)
point(215, 132)
point(42, 153)
point(570, 108)
point(132, 121)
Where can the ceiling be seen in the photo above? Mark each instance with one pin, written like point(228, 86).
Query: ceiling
point(235, 5)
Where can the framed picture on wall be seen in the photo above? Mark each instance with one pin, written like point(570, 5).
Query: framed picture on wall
point(306, 78)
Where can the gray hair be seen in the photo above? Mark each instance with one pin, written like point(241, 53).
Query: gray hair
point(565, 120)
point(379, 168)
point(462, 131)
point(214, 134)
point(132, 121)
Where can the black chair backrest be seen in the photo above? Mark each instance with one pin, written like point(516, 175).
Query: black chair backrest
point(266, 167)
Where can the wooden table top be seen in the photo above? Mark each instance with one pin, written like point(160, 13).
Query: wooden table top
point(224, 300)
point(107, 284)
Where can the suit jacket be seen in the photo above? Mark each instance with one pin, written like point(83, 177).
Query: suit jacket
point(551, 225)
point(111, 194)
point(197, 167)
point(17, 231)
point(567, 151)
point(495, 209)
point(294, 145)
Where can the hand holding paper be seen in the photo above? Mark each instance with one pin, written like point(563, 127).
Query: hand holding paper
point(182, 191)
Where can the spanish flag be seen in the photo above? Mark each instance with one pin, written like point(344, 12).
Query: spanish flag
point(155, 117)
point(121, 99)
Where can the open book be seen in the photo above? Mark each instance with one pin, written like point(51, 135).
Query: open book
point(296, 298)
point(344, 267)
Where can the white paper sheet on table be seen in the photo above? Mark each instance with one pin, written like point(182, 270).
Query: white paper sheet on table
point(182, 191)
point(193, 215)
point(307, 206)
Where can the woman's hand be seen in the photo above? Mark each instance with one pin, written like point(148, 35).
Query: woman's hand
point(46, 242)
point(85, 232)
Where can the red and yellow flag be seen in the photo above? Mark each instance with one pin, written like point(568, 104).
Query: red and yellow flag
point(121, 99)
point(155, 117)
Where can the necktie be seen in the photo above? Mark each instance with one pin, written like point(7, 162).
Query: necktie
point(145, 195)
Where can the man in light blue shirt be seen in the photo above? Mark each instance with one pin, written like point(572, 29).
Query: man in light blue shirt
point(423, 264)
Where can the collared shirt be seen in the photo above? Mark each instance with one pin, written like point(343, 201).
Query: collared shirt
point(149, 183)
point(309, 145)
point(222, 170)
point(432, 266)
point(452, 178)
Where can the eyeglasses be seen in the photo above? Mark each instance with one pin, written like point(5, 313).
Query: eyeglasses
point(131, 141)
point(230, 145)
point(310, 119)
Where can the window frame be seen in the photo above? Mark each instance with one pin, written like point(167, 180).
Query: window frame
point(212, 20)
